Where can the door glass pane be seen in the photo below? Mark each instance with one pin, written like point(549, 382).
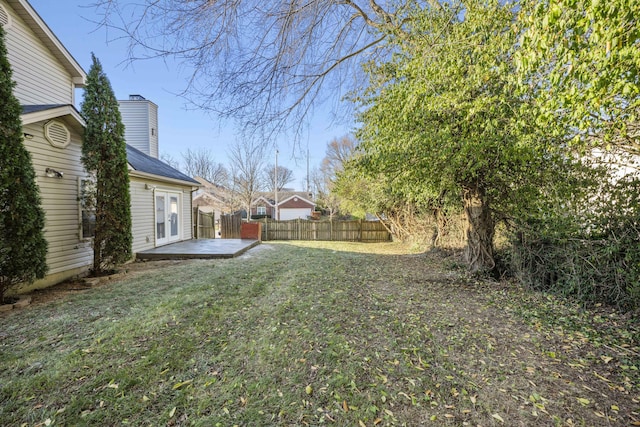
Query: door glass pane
point(173, 207)
point(160, 217)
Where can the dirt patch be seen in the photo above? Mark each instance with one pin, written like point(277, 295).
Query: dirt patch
point(72, 286)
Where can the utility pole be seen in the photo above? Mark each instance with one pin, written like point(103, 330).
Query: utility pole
point(308, 188)
point(275, 184)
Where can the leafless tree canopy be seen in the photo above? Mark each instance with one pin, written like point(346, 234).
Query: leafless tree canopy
point(246, 162)
point(266, 63)
point(285, 176)
point(339, 151)
point(202, 163)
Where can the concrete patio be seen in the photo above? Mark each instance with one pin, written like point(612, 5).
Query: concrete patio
point(199, 249)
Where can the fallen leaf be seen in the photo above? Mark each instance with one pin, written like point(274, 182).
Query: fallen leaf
point(583, 401)
point(498, 417)
point(345, 407)
point(361, 424)
point(180, 385)
point(606, 359)
point(308, 389)
point(172, 412)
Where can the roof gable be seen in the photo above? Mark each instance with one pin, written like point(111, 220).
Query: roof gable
point(263, 199)
point(28, 14)
point(298, 199)
point(39, 113)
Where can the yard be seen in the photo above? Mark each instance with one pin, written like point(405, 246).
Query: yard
point(315, 333)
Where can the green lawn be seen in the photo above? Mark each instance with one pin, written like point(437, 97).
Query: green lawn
point(312, 334)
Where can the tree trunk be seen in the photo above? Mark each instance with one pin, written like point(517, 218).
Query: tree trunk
point(479, 231)
point(440, 229)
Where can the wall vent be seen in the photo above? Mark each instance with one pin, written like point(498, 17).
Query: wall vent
point(5, 18)
point(57, 134)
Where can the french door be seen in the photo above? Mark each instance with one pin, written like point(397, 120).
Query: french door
point(167, 217)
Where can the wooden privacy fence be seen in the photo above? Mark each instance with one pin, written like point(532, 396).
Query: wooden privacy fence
point(203, 224)
point(230, 226)
point(346, 231)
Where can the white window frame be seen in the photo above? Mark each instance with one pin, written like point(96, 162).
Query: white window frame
point(261, 210)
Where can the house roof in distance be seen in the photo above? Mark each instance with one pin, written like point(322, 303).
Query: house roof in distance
point(141, 162)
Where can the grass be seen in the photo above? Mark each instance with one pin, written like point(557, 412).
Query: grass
point(314, 334)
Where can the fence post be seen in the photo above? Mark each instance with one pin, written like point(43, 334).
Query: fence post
point(195, 212)
point(266, 229)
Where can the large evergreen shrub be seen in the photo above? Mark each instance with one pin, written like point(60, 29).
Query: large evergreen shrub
point(23, 248)
point(104, 155)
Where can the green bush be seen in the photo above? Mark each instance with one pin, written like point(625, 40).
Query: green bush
point(594, 257)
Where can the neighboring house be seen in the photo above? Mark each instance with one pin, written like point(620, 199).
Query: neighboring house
point(140, 117)
point(160, 202)
point(291, 205)
point(263, 207)
point(47, 77)
point(294, 207)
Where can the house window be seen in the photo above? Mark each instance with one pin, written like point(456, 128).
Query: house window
point(86, 194)
point(262, 210)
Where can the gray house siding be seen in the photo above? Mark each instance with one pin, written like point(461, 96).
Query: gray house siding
point(140, 118)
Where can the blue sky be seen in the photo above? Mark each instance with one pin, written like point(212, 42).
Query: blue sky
point(160, 82)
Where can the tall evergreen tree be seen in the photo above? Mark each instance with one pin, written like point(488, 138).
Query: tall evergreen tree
point(23, 248)
point(104, 155)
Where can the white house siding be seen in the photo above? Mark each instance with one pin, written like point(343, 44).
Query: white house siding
point(187, 215)
point(40, 76)
point(142, 219)
point(140, 118)
point(153, 131)
point(143, 210)
point(67, 255)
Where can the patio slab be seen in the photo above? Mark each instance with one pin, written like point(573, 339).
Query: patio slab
point(199, 249)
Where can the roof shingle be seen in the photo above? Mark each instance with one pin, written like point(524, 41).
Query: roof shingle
point(144, 163)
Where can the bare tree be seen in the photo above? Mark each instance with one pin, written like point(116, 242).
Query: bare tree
point(321, 188)
point(170, 160)
point(339, 151)
point(264, 63)
point(246, 162)
point(202, 163)
point(284, 174)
